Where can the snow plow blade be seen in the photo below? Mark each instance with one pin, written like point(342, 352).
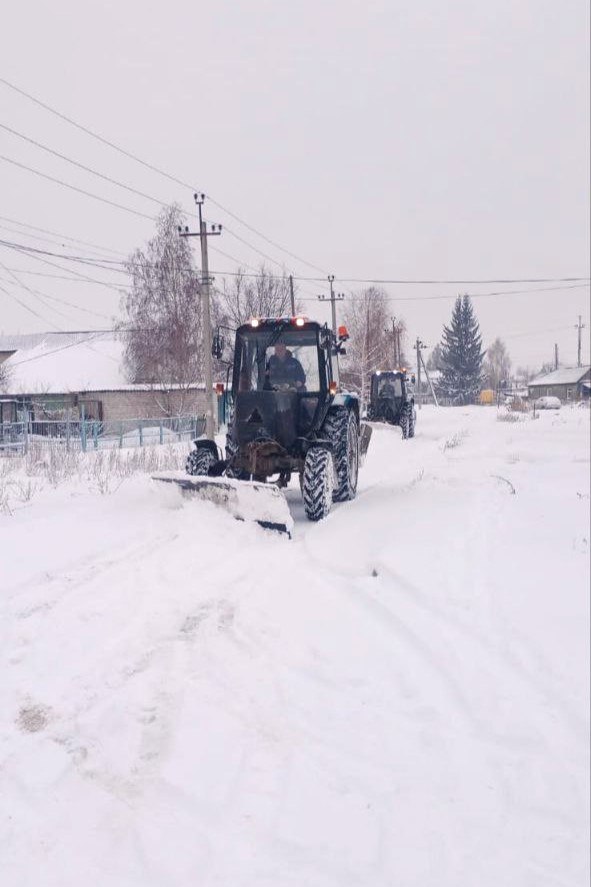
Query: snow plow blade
point(264, 504)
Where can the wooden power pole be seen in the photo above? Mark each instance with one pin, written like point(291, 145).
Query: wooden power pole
point(333, 298)
point(580, 327)
point(203, 234)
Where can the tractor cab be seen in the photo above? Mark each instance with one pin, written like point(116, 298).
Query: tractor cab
point(281, 379)
point(392, 399)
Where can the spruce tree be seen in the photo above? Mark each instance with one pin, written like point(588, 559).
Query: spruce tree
point(462, 354)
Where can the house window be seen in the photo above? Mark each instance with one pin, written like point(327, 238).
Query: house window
point(569, 394)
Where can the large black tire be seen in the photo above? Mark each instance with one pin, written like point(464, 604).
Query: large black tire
point(231, 450)
point(199, 462)
point(412, 421)
point(317, 483)
point(405, 423)
point(342, 430)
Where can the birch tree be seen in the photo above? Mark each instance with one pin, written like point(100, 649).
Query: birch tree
point(370, 344)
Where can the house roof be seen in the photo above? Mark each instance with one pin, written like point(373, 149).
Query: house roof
point(63, 362)
point(563, 376)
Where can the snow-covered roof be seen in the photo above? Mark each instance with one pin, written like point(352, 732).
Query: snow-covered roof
point(563, 376)
point(62, 362)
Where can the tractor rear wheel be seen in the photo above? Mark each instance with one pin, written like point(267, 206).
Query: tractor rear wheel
point(412, 421)
point(342, 430)
point(405, 423)
point(317, 483)
point(199, 462)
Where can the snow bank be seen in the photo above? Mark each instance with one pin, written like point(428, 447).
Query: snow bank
point(399, 695)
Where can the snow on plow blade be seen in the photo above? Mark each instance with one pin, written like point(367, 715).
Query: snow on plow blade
point(244, 500)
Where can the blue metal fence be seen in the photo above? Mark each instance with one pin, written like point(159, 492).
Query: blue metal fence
point(91, 434)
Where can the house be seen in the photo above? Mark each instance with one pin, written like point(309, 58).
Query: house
point(568, 383)
point(82, 375)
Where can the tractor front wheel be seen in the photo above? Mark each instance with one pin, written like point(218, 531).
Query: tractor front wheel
point(199, 462)
point(317, 483)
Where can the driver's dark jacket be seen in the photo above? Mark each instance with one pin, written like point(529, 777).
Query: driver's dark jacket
point(288, 371)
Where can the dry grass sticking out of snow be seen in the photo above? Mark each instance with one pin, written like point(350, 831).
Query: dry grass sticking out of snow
point(42, 467)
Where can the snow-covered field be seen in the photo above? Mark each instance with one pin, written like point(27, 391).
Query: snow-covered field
point(397, 696)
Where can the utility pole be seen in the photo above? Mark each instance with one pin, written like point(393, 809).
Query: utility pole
point(419, 346)
point(334, 298)
point(579, 326)
point(435, 401)
point(203, 234)
point(395, 343)
point(555, 355)
point(291, 295)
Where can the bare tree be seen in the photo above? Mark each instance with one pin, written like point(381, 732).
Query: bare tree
point(370, 345)
point(162, 330)
point(497, 364)
point(525, 374)
point(263, 295)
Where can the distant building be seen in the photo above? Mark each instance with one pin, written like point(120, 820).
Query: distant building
point(570, 384)
point(81, 375)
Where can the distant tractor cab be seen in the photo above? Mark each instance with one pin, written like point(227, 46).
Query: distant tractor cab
point(392, 400)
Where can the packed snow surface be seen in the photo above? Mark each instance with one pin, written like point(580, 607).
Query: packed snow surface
point(397, 696)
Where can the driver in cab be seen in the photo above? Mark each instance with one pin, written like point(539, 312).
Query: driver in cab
point(284, 370)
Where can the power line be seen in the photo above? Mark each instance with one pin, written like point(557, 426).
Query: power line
point(74, 274)
point(43, 175)
point(108, 264)
point(150, 166)
point(88, 169)
point(62, 236)
point(27, 307)
point(547, 289)
point(111, 265)
point(105, 264)
point(55, 350)
point(69, 277)
point(415, 281)
point(38, 296)
point(43, 295)
point(51, 240)
point(264, 237)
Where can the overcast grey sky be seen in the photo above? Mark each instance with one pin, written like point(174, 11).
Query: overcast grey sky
point(383, 139)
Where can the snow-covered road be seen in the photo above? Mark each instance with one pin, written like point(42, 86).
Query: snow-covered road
point(399, 695)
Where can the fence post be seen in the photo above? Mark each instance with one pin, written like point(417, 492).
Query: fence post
point(95, 434)
point(161, 434)
point(68, 432)
point(141, 431)
point(83, 428)
point(120, 435)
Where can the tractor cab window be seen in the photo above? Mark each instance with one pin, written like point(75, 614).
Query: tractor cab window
point(272, 360)
point(390, 387)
